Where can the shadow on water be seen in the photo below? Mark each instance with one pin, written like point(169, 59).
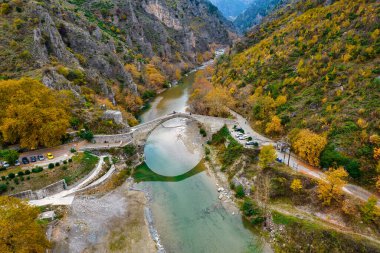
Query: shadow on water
point(143, 173)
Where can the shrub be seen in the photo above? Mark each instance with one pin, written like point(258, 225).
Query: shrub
point(130, 150)
point(11, 175)
point(22, 178)
point(16, 181)
point(5, 8)
point(28, 178)
point(27, 172)
point(369, 211)
point(64, 162)
point(220, 136)
point(57, 164)
point(51, 165)
point(70, 160)
point(203, 132)
point(232, 152)
point(64, 167)
point(240, 192)
point(3, 178)
point(252, 212)
point(87, 135)
point(20, 174)
point(3, 188)
point(37, 169)
point(73, 150)
point(25, 54)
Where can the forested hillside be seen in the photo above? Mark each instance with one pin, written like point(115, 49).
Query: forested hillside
point(311, 73)
point(111, 52)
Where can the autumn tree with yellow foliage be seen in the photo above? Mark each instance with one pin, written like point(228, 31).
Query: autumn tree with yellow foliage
point(153, 76)
point(19, 229)
point(274, 126)
point(296, 185)
point(31, 114)
point(267, 156)
point(309, 145)
point(330, 188)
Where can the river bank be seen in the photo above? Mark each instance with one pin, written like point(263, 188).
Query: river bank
point(112, 222)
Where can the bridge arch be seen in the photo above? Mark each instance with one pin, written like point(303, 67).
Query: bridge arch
point(143, 131)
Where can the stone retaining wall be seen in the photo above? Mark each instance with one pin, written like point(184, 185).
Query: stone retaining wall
point(42, 193)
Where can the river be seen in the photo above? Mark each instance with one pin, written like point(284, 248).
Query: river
point(184, 200)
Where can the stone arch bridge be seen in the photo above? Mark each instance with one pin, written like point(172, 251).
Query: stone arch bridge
point(140, 133)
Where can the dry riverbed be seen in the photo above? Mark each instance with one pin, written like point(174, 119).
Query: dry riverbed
point(114, 222)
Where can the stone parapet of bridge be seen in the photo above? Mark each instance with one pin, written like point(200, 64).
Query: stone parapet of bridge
point(140, 133)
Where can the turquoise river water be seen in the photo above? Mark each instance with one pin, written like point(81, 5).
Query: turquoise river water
point(187, 213)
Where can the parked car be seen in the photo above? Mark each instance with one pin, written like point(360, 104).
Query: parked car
point(50, 156)
point(41, 157)
point(6, 164)
point(25, 160)
point(252, 143)
point(238, 135)
point(17, 163)
point(279, 160)
point(33, 159)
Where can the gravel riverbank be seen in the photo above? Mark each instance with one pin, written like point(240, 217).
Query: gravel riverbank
point(114, 222)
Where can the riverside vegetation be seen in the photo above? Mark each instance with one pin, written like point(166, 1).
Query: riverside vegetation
point(295, 212)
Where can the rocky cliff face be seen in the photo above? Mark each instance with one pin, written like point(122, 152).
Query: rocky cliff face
point(79, 43)
point(256, 11)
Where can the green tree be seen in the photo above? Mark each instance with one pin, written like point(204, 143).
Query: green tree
point(240, 191)
point(87, 135)
point(369, 211)
point(130, 150)
point(9, 155)
point(3, 188)
point(19, 229)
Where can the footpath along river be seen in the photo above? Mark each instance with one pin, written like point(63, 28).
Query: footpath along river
point(187, 213)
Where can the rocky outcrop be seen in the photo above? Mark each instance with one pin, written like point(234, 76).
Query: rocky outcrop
point(162, 13)
point(97, 38)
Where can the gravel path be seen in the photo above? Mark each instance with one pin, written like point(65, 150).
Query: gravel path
point(64, 198)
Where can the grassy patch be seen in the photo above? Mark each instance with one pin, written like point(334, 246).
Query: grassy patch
point(234, 149)
point(85, 163)
point(143, 173)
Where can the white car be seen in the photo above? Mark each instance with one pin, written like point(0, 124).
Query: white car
point(238, 135)
point(5, 165)
point(242, 138)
